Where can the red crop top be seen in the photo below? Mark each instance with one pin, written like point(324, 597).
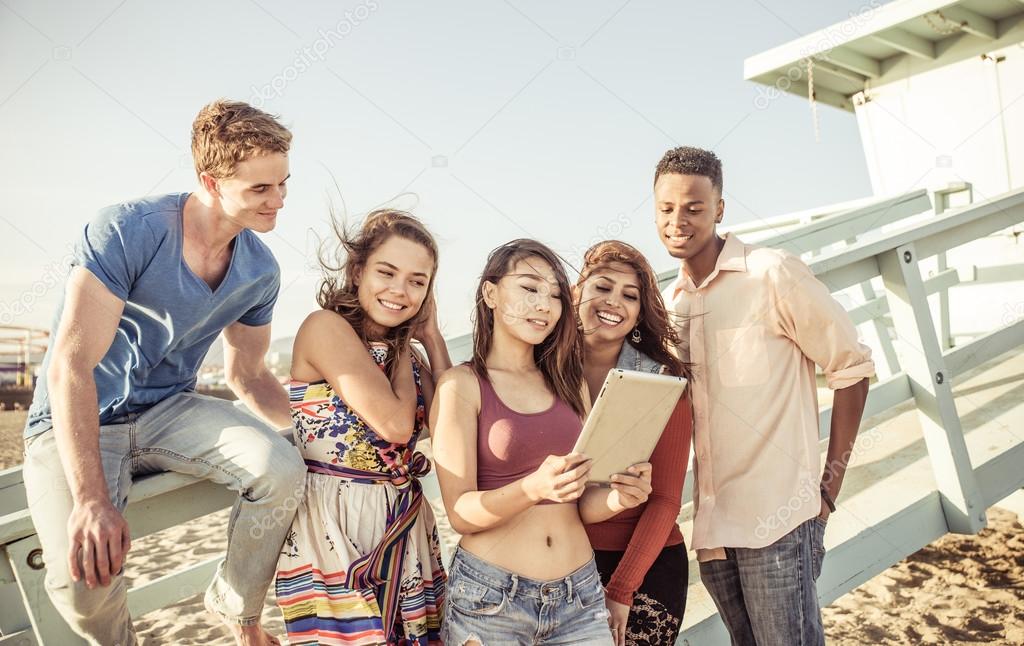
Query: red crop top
point(511, 445)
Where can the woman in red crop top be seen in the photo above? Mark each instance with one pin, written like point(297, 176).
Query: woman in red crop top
point(503, 429)
point(640, 553)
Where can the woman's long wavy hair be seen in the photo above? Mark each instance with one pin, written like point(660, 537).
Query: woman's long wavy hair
point(560, 355)
point(658, 337)
point(342, 259)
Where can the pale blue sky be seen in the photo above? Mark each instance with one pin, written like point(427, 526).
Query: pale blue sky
point(506, 119)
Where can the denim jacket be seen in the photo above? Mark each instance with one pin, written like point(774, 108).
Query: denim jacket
point(632, 359)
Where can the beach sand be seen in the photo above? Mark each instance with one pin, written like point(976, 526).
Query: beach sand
point(958, 590)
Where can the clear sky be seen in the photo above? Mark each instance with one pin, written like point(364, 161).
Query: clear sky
point(504, 119)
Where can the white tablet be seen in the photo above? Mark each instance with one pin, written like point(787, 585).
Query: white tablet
point(627, 419)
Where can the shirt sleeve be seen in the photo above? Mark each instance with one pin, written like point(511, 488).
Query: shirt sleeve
point(263, 312)
point(818, 324)
point(662, 509)
point(104, 250)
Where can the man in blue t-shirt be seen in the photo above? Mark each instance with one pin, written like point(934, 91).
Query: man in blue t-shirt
point(153, 283)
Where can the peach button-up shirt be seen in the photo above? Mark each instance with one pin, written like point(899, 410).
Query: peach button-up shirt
point(754, 330)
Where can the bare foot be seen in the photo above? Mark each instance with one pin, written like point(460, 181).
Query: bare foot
point(253, 635)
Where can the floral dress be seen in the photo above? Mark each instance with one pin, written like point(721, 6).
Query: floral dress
point(361, 563)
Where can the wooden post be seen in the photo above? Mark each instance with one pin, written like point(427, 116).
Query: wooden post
point(940, 200)
point(25, 558)
point(892, 364)
point(13, 616)
point(921, 358)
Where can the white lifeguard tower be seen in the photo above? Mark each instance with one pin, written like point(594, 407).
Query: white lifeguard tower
point(934, 86)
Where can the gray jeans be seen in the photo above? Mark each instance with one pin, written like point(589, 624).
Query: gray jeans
point(187, 433)
point(767, 596)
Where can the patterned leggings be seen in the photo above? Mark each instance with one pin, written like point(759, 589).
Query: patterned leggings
point(657, 612)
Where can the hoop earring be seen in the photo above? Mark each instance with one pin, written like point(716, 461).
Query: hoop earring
point(635, 338)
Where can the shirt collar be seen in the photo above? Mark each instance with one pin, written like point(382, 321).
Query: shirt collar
point(733, 257)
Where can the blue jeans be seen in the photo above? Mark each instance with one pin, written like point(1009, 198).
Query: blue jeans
point(496, 607)
point(766, 596)
point(187, 433)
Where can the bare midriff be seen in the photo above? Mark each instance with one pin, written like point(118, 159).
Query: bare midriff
point(544, 542)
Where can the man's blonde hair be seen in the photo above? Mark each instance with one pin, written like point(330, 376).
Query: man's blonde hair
point(226, 133)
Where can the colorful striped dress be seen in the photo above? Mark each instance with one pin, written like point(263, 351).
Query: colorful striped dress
point(362, 562)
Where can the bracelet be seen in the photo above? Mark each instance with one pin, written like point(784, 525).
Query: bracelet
point(828, 499)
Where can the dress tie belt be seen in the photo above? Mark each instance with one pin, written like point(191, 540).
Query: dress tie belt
point(375, 570)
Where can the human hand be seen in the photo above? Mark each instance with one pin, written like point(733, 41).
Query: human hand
point(618, 617)
point(825, 512)
point(98, 542)
point(429, 329)
point(632, 488)
point(560, 478)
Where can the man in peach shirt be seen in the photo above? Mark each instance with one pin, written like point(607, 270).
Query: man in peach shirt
point(754, 323)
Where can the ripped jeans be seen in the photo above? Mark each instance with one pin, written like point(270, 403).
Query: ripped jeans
point(496, 607)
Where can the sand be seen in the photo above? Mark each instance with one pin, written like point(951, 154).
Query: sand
point(958, 590)
point(11, 425)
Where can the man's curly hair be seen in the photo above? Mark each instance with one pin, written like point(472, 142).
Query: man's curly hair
point(686, 160)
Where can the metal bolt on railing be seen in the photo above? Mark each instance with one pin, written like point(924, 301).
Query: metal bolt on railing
point(35, 559)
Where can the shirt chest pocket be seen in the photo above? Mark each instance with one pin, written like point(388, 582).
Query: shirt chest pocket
point(742, 358)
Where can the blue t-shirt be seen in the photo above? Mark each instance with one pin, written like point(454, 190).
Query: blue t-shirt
point(171, 316)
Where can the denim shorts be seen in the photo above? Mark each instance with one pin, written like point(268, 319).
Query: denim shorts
point(498, 608)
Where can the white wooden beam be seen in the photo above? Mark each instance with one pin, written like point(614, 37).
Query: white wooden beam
point(16, 526)
point(878, 18)
point(876, 306)
point(172, 588)
point(822, 95)
point(972, 22)
point(853, 61)
point(13, 615)
point(841, 72)
point(872, 551)
point(977, 351)
point(48, 625)
point(882, 396)
point(20, 638)
point(907, 42)
point(930, 380)
point(1001, 475)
